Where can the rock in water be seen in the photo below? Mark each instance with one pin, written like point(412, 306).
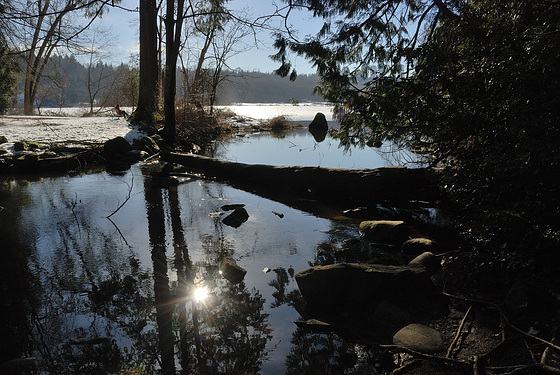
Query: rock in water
point(319, 127)
point(236, 218)
point(319, 123)
point(361, 285)
point(231, 271)
point(431, 262)
point(420, 338)
point(416, 246)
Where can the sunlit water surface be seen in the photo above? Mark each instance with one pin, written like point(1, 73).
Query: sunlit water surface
point(99, 270)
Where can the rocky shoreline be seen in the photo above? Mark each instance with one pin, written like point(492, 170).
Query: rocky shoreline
point(400, 317)
point(35, 157)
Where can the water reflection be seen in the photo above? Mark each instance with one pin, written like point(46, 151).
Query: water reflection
point(227, 331)
point(304, 148)
point(82, 294)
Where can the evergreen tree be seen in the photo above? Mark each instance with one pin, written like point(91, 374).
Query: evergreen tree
point(478, 92)
point(8, 77)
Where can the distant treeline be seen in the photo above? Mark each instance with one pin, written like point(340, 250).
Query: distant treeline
point(67, 83)
point(256, 87)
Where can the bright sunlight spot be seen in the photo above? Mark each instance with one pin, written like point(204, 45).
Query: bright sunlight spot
point(200, 294)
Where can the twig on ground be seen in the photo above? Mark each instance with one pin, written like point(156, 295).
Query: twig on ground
point(505, 318)
point(458, 334)
point(445, 360)
point(478, 365)
point(546, 352)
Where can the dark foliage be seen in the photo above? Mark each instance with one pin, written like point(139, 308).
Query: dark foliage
point(479, 95)
point(8, 77)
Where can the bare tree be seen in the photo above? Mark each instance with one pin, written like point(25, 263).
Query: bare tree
point(100, 80)
point(228, 43)
point(41, 27)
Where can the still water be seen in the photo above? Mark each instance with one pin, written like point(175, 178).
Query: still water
point(298, 147)
point(99, 270)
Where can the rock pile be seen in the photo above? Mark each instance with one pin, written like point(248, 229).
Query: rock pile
point(382, 302)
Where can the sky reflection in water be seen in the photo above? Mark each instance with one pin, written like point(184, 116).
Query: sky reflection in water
point(299, 148)
point(82, 291)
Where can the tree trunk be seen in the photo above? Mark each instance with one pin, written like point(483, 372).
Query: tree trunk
point(173, 38)
point(198, 80)
point(148, 64)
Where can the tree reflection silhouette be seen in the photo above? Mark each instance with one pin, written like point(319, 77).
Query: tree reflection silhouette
point(162, 293)
point(82, 300)
point(185, 276)
point(20, 288)
point(233, 327)
point(234, 330)
point(319, 353)
point(226, 333)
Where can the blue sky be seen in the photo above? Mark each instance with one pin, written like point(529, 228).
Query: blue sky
point(124, 26)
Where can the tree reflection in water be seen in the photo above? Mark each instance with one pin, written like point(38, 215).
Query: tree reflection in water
point(319, 353)
point(82, 298)
point(225, 333)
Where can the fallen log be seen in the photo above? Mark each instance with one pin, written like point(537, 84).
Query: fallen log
point(334, 185)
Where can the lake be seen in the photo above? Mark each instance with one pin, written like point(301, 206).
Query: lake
point(100, 270)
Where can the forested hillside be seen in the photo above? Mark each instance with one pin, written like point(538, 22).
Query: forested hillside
point(256, 87)
point(69, 83)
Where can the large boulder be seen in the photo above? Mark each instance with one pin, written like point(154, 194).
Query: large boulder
point(319, 123)
point(357, 284)
point(319, 127)
point(394, 232)
point(368, 300)
point(116, 146)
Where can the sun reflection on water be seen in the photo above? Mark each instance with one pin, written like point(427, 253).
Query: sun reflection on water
point(200, 294)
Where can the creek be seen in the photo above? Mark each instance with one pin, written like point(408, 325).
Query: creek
point(99, 269)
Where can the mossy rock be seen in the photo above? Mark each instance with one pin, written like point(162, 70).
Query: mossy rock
point(3, 139)
point(392, 232)
point(27, 145)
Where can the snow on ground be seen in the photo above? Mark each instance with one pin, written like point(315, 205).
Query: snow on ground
point(266, 111)
point(69, 124)
point(56, 129)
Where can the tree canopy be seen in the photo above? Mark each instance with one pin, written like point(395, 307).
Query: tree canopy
point(471, 84)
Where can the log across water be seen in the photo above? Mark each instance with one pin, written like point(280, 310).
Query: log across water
point(340, 186)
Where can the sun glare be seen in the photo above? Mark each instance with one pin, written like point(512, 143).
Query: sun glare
point(200, 294)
